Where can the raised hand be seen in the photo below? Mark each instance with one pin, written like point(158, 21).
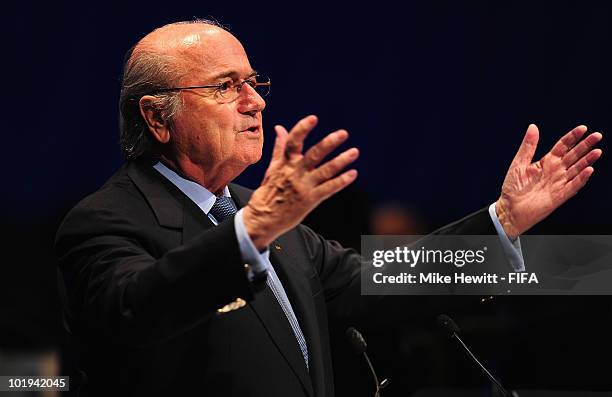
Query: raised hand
point(295, 183)
point(531, 191)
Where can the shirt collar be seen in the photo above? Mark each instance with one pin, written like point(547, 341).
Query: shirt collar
point(197, 193)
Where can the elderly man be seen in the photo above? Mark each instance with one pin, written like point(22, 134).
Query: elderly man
point(178, 281)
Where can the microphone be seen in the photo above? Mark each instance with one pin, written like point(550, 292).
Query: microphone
point(452, 330)
point(360, 346)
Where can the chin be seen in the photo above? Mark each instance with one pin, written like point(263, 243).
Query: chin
point(250, 158)
point(254, 153)
point(255, 158)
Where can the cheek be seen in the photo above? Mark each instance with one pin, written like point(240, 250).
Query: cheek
point(214, 136)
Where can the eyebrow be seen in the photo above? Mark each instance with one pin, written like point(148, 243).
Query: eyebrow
point(233, 74)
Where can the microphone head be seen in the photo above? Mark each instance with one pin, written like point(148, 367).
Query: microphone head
point(448, 325)
point(356, 340)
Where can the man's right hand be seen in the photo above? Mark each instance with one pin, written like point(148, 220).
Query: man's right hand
point(294, 183)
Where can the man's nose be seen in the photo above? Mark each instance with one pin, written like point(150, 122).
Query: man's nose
point(250, 101)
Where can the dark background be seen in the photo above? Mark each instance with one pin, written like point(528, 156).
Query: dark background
point(437, 96)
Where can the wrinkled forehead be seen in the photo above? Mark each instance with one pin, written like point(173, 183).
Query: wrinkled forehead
point(201, 48)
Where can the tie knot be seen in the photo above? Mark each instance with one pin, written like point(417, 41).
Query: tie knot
point(223, 208)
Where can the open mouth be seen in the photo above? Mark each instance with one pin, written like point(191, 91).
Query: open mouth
point(253, 129)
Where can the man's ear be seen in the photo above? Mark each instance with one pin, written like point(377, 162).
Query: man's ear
point(152, 116)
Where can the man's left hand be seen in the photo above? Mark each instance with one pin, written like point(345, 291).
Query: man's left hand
point(531, 191)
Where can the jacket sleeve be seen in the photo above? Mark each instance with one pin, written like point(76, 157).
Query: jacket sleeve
point(340, 270)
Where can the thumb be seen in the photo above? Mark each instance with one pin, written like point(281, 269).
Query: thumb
point(525, 154)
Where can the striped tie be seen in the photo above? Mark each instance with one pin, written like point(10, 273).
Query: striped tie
point(222, 209)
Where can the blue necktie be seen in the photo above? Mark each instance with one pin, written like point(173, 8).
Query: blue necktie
point(222, 209)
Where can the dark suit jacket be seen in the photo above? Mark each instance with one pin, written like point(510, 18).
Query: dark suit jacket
point(145, 272)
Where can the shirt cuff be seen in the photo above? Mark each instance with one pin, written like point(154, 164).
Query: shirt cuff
point(257, 261)
point(512, 248)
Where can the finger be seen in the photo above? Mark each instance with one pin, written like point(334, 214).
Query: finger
point(295, 141)
point(580, 149)
point(278, 151)
point(568, 141)
point(280, 142)
point(317, 153)
point(528, 147)
point(573, 186)
point(584, 162)
point(332, 186)
point(333, 166)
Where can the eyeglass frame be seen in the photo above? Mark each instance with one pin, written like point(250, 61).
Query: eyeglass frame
point(218, 86)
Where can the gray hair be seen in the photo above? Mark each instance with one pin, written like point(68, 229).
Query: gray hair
point(144, 73)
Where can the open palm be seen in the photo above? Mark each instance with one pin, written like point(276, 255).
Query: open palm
point(532, 190)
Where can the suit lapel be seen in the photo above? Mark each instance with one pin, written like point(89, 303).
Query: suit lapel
point(172, 208)
point(298, 289)
point(195, 220)
point(268, 309)
point(163, 197)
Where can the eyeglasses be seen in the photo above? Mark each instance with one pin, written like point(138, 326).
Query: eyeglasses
point(228, 91)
